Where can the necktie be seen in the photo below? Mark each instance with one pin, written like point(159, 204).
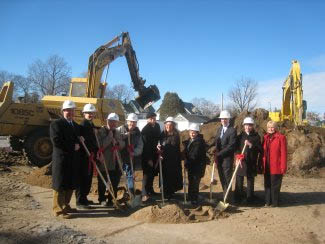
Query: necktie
point(222, 132)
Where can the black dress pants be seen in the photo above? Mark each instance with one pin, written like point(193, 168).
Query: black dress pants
point(115, 176)
point(193, 186)
point(225, 173)
point(272, 185)
point(86, 176)
point(240, 186)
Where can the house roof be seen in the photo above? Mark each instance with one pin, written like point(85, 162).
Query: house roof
point(193, 118)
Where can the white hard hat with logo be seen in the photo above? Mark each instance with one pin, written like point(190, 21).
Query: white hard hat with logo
point(224, 115)
point(132, 117)
point(68, 104)
point(113, 116)
point(90, 108)
point(169, 119)
point(248, 120)
point(194, 127)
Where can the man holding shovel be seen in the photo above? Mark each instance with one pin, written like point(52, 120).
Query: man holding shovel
point(132, 138)
point(226, 141)
point(64, 134)
point(109, 142)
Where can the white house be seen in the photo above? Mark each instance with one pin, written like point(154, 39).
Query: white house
point(184, 120)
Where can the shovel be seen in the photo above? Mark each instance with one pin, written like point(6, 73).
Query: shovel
point(212, 181)
point(184, 183)
point(161, 179)
point(108, 187)
point(222, 206)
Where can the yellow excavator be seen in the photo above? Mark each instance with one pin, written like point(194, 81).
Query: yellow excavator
point(28, 124)
point(293, 106)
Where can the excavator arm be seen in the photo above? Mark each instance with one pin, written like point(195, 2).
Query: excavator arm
point(106, 54)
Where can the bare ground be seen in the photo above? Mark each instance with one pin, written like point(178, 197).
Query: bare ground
point(25, 217)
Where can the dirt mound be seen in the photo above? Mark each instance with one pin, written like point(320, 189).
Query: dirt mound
point(9, 158)
point(40, 177)
point(306, 144)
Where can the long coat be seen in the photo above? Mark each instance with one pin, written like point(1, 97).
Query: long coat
point(135, 140)
point(150, 136)
point(87, 131)
point(275, 153)
point(65, 160)
point(171, 163)
point(251, 154)
point(195, 155)
point(226, 145)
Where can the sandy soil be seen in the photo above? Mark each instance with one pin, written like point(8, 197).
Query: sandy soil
point(25, 217)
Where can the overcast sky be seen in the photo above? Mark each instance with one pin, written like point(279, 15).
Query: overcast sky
point(194, 48)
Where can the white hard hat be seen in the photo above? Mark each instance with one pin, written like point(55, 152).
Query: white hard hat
point(89, 108)
point(194, 126)
point(169, 119)
point(113, 116)
point(224, 115)
point(248, 120)
point(68, 104)
point(132, 117)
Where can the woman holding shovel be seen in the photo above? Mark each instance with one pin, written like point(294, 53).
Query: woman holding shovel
point(169, 150)
point(109, 140)
point(132, 138)
point(195, 161)
point(249, 164)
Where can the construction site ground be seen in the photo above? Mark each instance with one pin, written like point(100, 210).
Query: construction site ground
point(25, 217)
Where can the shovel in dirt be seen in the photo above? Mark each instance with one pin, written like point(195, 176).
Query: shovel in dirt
point(212, 182)
point(222, 206)
point(109, 185)
point(184, 183)
point(161, 178)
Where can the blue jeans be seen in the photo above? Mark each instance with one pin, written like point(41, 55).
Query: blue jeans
point(129, 176)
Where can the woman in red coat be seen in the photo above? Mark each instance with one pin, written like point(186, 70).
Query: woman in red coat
point(274, 162)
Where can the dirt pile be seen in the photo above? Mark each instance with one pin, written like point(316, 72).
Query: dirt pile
point(9, 158)
point(306, 144)
point(40, 177)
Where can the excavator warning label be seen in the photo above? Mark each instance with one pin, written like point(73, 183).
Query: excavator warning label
point(22, 112)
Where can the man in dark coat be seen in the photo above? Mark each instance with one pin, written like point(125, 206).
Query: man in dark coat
point(86, 167)
point(195, 161)
point(249, 167)
point(226, 140)
point(65, 135)
point(150, 136)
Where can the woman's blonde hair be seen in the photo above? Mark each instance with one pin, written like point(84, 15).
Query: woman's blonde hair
point(272, 123)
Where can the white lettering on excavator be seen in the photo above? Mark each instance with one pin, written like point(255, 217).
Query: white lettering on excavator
point(22, 112)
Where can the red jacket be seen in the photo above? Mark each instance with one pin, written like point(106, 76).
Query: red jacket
point(278, 153)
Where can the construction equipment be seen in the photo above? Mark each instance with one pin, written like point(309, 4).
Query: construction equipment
point(28, 124)
point(293, 106)
point(222, 206)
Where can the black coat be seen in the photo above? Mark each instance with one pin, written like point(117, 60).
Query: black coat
point(65, 160)
point(251, 154)
point(171, 163)
point(87, 131)
point(195, 156)
point(150, 136)
point(226, 146)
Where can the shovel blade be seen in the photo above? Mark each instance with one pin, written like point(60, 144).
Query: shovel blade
point(135, 201)
point(222, 206)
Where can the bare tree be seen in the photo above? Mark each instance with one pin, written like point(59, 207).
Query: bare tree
point(120, 92)
point(243, 94)
point(51, 77)
point(206, 107)
point(4, 77)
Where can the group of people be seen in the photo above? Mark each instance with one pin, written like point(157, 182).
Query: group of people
point(79, 151)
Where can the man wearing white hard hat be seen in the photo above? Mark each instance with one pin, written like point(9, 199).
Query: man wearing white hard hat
point(252, 140)
point(226, 141)
point(86, 169)
point(133, 139)
point(110, 140)
point(195, 161)
point(65, 134)
point(150, 136)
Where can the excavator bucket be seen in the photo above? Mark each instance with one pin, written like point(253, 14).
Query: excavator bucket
point(148, 96)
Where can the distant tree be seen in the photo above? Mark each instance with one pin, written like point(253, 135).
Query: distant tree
point(313, 116)
point(206, 107)
point(171, 105)
point(120, 92)
point(5, 76)
point(243, 94)
point(51, 77)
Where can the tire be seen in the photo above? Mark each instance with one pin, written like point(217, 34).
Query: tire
point(38, 147)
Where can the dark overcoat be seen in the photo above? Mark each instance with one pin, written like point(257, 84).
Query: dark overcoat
point(226, 145)
point(65, 160)
point(195, 155)
point(253, 154)
point(171, 163)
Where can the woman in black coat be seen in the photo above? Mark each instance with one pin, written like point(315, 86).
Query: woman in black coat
point(250, 163)
point(195, 161)
point(171, 162)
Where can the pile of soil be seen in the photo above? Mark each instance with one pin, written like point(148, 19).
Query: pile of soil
point(40, 177)
point(9, 158)
point(306, 144)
